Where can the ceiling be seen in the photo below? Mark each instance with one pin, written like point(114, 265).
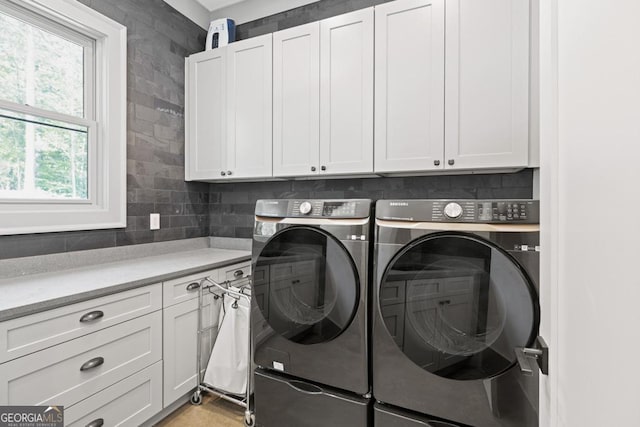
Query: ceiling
point(212, 5)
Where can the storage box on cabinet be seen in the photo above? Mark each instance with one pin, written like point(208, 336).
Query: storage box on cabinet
point(128, 402)
point(35, 332)
point(71, 371)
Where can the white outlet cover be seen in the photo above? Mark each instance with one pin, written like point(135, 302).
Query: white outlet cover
point(154, 221)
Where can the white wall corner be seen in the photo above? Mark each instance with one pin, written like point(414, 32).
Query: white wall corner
point(192, 10)
point(250, 10)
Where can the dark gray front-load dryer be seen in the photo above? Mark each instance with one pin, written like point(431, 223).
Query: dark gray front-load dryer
point(455, 297)
point(310, 275)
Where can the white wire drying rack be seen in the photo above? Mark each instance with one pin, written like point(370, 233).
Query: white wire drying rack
point(222, 289)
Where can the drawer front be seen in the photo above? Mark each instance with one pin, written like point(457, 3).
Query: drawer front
point(235, 271)
point(54, 376)
point(184, 288)
point(129, 402)
point(29, 334)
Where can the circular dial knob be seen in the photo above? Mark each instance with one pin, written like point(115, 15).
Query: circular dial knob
point(453, 210)
point(305, 208)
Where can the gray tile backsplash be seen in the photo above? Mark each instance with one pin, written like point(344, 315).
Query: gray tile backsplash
point(159, 38)
point(231, 205)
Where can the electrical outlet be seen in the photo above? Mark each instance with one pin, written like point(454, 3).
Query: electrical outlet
point(154, 221)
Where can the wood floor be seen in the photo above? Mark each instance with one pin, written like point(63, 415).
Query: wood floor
point(214, 412)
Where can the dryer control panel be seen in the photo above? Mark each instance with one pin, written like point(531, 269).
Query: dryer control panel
point(314, 208)
point(469, 211)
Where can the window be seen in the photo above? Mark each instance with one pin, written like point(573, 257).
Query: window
point(62, 118)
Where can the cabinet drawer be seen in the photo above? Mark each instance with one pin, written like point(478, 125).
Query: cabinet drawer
point(184, 288)
point(131, 401)
point(54, 376)
point(235, 271)
point(25, 335)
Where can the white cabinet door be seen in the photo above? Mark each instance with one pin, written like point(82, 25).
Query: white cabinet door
point(409, 85)
point(346, 93)
point(487, 83)
point(180, 322)
point(249, 114)
point(296, 101)
point(205, 114)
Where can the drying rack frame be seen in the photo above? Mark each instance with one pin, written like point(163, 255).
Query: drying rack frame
point(222, 288)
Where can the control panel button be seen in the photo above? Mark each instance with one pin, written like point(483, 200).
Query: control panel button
point(453, 210)
point(305, 208)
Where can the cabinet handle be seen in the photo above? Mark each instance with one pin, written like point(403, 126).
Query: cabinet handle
point(436, 162)
point(96, 423)
point(223, 173)
point(445, 302)
point(451, 162)
point(238, 273)
point(313, 168)
point(323, 168)
point(229, 173)
point(91, 316)
point(93, 363)
point(193, 286)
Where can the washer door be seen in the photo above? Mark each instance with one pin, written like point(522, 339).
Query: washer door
point(458, 306)
point(312, 287)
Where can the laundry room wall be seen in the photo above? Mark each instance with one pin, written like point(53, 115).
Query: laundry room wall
point(232, 204)
point(158, 40)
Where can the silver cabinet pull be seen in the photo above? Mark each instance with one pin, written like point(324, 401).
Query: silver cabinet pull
point(223, 173)
point(238, 273)
point(229, 173)
point(93, 363)
point(323, 168)
point(193, 286)
point(91, 316)
point(313, 168)
point(96, 423)
point(539, 353)
point(451, 162)
point(436, 162)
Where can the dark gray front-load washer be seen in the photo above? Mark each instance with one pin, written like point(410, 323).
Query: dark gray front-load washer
point(455, 298)
point(310, 275)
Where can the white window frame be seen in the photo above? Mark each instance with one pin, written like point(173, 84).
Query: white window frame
point(105, 118)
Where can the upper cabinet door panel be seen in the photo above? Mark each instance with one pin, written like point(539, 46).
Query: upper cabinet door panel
point(346, 93)
point(409, 85)
point(487, 83)
point(206, 115)
point(249, 98)
point(296, 100)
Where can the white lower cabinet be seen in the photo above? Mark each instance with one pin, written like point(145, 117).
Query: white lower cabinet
point(69, 372)
point(129, 402)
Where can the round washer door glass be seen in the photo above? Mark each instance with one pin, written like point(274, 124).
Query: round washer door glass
point(311, 290)
point(458, 306)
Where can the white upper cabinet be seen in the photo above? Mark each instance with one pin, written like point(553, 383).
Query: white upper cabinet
point(346, 93)
point(409, 85)
point(296, 101)
point(249, 114)
point(487, 83)
point(205, 114)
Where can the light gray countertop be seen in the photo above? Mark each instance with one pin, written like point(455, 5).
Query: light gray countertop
point(20, 296)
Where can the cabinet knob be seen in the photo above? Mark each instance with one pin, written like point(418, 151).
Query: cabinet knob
point(313, 168)
point(96, 423)
point(238, 273)
point(436, 162)
point(451, 162)
point(91, 316)
point(323, 168)
point(193, 286)
point(229, 173)
point(93, 363)
point(223, 173)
